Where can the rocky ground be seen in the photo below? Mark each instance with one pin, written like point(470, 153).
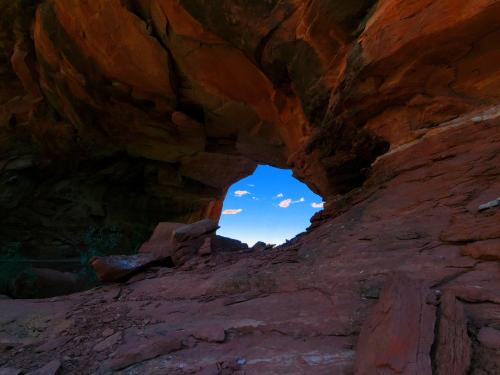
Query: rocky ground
point(399, 277)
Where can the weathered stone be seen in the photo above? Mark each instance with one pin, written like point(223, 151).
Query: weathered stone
point(128, 113)
point(224, 244)
point(194, 231)
point(484, 250)
point(211, 333)
point(206, 168)
point(108, 332)
point(52, 344)
point(160, 242)
point(453, 346)
point(489, 337)
point(398, 335)
point(108, 342)
point(490, 204)
point(44, 282)
point(119, 267)
point(132, 353)
point(52, 368)
point(259, 246)
point(206, 247)
point(322, 87)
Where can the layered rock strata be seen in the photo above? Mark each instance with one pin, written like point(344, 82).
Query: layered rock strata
point(384, 285)
point(122, 114)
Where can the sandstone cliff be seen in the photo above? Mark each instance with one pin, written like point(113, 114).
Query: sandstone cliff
point(120, 114)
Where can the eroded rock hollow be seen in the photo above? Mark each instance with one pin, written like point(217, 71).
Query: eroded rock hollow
point(116, 115)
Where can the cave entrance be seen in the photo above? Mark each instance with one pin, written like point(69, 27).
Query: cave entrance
point(269, 206)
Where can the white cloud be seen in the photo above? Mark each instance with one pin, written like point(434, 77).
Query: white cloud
point(317, 205)
point(240, 193)
point(285, 203)
point(255, 198)
point(251, 185)
point(280, 195)
point(232, 211)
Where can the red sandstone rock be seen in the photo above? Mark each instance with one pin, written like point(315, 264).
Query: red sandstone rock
point(301, 308)
point(194, 231)
point(393, 104)
point(132, 353)
point(398, 334)
point(119, 267)
point(453, 347)
point(108, 342)
point(160, 242)
point(206, 247)
point(485, 250)
point(224, 244)
point(489, 337)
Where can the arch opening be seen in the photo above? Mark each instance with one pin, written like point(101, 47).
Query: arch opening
point(269, 206)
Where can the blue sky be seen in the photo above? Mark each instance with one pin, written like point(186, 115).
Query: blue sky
point(270, 206)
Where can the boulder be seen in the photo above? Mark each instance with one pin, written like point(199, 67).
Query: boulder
point(45, 282)
point(187, 240)
point(170, 244)
point(120, 267)
point(160, 242)
point(259, 246)
point(224, 244)
point(194, 231)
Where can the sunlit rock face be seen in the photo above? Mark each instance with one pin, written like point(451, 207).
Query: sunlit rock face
point(122, 114)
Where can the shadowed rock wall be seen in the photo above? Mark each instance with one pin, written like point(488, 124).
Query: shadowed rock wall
point(120, 114)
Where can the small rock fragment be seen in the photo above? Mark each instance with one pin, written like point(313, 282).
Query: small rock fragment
point(489, 337)
point(259, 246)
point(241, 361)
point(108, 342)
point(490, 204)
point(51, 368)
point(206, 248)
point(132, 353)
point(52, 344)
point(484, 250)
point(210, 334)
point(118, 267)
point(108, 332)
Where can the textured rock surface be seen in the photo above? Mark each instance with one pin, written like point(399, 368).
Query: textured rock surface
point(116, 115)
point(302, 308)
point(126, 124)
point(397, 336)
